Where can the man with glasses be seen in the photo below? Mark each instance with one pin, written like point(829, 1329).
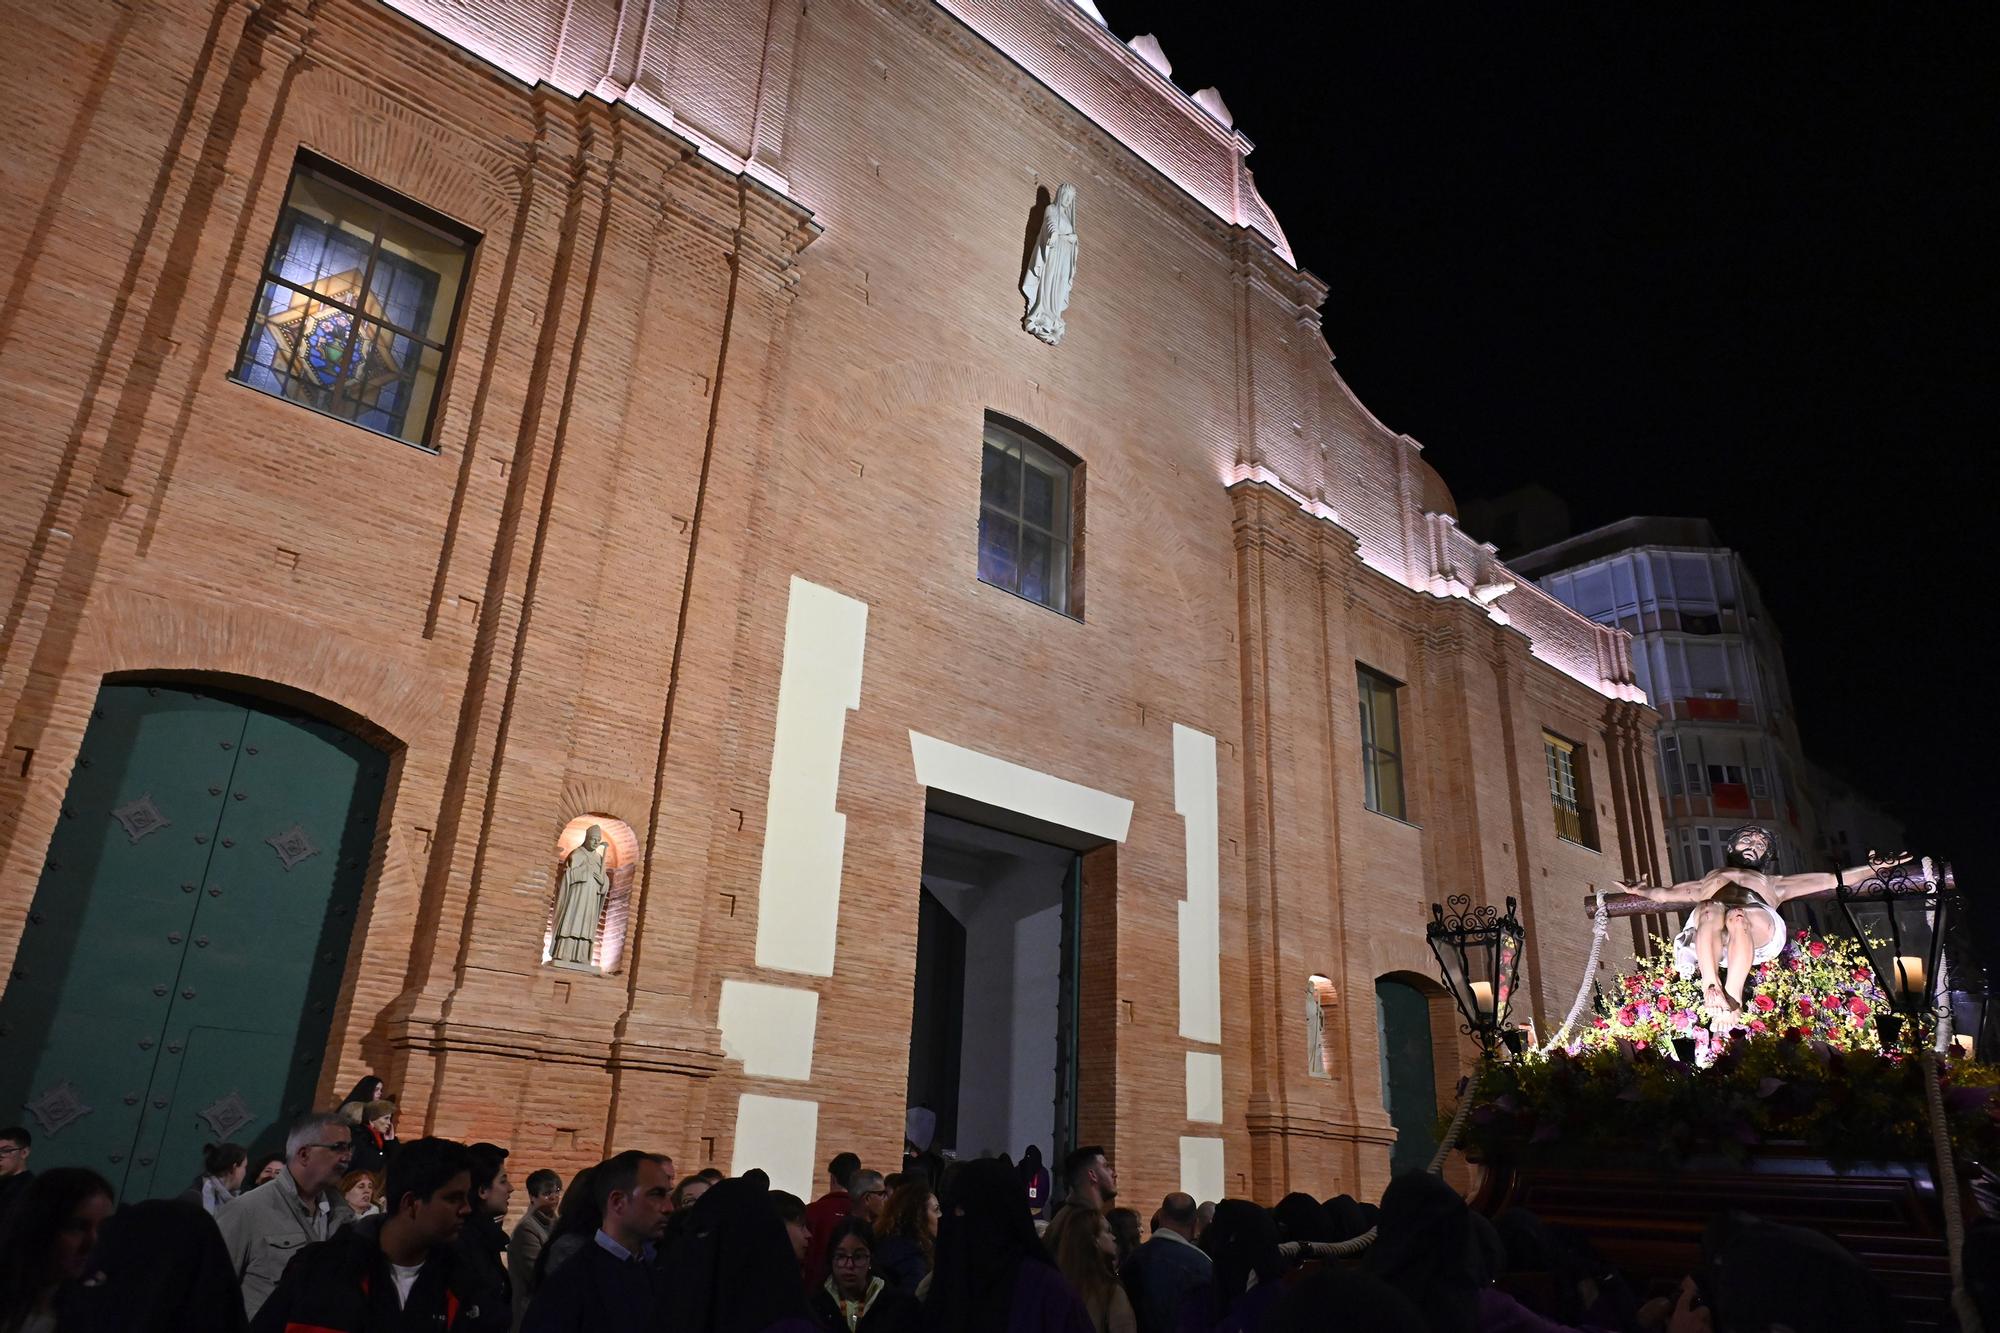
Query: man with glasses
point(14, 1173)
point(870, 1195)
point(264, 1227)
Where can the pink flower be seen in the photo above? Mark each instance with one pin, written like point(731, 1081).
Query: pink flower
point(1628, 1015)
point(1766, 1004)
point(1858, 1007)
point(1757, 1025)
point(1805, 1006)
point(1817, 948)
point(1632, 985)
point(1683, 1020)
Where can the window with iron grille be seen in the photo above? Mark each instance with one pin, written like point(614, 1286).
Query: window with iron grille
point(1569, 789)
point(1028, 493)
point(356, 304)
point(1381, 744)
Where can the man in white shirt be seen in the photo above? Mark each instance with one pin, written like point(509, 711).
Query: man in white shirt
point(397, 1272)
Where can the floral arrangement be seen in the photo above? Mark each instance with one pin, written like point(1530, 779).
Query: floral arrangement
point(1801, 1064)
point(1629, 1103)
point(1817, 989)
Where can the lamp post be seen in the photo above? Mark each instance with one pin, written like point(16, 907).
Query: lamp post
point(1970, 999)
point(1479, 960)
point(1898, 915)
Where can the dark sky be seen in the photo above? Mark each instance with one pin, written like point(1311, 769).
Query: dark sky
point(1673, 260)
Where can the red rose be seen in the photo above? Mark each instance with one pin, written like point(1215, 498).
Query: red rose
point(1805, 1005)
point(1766, 1003)
point(1599, 1023)
point(1817, 948)
point(1628, 1015)
point(1632, 985)
point(1861, 974)
point(1858, 1007)
point(1757, 1025)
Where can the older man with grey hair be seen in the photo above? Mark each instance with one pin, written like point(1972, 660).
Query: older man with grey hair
point(264, 1227)
point(870, 1193)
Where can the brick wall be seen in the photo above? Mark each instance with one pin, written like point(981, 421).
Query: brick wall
point(674, 388)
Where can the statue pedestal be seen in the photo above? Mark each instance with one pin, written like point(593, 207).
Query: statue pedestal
point(567, 966)
point(1650, 1223)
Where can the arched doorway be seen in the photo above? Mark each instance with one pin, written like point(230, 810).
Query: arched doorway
point(1409, 1078)
point(176, 980)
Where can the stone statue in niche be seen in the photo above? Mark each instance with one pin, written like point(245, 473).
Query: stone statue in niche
point(585, 884)
point(1051, 268)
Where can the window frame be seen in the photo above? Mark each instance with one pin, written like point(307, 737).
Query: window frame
point(1371, 685)
point(1574, 814)
point(1007, 434)
point(384, 201)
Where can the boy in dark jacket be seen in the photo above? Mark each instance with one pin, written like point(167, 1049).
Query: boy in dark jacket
point(396, 1273)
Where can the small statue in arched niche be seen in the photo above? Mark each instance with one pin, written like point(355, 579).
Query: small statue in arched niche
point(584, 886)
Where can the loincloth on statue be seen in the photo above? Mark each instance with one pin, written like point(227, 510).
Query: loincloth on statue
point(1731, 895)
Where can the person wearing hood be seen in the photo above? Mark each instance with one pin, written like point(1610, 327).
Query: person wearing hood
point(1243, 1243)
point(394, 1272)
point(159, 1267)
point(734, 1269)
point(1035, 1181)
point(992, 1274)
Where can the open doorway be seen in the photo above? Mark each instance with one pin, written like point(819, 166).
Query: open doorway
point(993, 1029)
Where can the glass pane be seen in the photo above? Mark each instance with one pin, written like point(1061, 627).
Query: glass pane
point(998, 550)
point(1000, 480)
point(1391, 784)
point(298, 347)
point(415, 284)
point(390, 373)
point(1059, 575)
point(1038, 497)
point(1035, 565)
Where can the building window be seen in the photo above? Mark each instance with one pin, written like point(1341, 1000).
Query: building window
point(1694, 778)
point(1028, 492)
point(1758, 787)
point(1670, 763)
point(1707, 850)
point(355, 309)
point(1569, 789)
point(1381, 744)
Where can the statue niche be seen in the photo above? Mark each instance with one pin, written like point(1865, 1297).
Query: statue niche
point(583, 889)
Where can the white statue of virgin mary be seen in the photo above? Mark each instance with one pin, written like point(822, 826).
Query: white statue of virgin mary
point(1052, 268)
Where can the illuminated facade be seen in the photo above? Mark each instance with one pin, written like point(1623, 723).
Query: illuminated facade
point(610, 419)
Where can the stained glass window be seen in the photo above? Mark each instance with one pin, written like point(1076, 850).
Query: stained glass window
point(354, 313)
point(1027, 517)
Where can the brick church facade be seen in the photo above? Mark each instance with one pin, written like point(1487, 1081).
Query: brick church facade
point(663, 464)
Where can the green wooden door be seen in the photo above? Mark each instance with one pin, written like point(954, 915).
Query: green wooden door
point(1409, 1080)
point(176, 980)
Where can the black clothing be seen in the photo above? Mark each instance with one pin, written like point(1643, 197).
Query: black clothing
point(900, 1262)
point(482, 1254)
point(370, 1153)
point(1425, 1248)
point(159, 1267)
point(1242, 1240)
point(597, 1290)
point(733, 1269)
point(344, 1285)
point(893, 1312)
point(984, 1238)
point(1301, 1218)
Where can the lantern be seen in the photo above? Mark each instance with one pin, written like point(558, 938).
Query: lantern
point(1897, 915)
point(1479, 959)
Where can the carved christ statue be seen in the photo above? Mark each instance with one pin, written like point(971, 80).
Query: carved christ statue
point(1052, 268)
point(584, 886)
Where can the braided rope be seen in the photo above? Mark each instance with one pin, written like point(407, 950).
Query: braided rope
point(1947, 1166)
point(1600, 928)
point(1347, 1249)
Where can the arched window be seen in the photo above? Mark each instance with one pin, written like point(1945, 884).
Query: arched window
point(1029, 493)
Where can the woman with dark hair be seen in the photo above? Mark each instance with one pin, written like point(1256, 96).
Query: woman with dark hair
point(791, 1210)
point(992, 1274)
point(906, 1240)
point(161, 1267)
point(268, 1167)
point(1242, 1242)
point(854, 1298)
point(369, 1089)
point(1085, 1249)
point(221, 1178)
point(45, 1241)
point(734, 1269)
point(1125, 1230)
point(578, 1217)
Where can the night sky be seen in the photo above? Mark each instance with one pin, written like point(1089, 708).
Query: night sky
point(1673, 261)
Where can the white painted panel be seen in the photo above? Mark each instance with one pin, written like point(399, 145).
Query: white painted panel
point(981, 777)
point(1196, 802)
point(798, 890)
point(768, 1028)
point(1204, 1087)
point(779, 1136)
point(1201, 1169)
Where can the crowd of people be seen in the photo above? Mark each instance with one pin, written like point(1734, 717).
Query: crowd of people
point(416, 1239)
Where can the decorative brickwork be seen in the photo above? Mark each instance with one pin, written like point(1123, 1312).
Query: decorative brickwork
point(688, 370)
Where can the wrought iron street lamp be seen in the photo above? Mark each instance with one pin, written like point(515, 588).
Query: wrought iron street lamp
point(1970, 998)
point(1479, 959)
point(1897, 915)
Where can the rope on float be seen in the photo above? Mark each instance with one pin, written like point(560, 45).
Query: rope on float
point(1600, 928)
point(1947, 1165)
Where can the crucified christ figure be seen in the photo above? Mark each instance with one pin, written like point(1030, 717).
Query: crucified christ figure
point(1735, 924)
